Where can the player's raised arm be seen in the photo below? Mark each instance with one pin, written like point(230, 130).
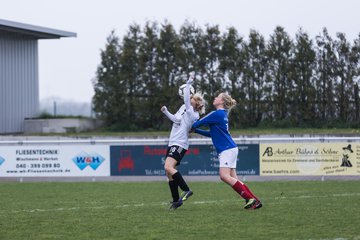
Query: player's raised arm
point(170, 115)
point(187, 91)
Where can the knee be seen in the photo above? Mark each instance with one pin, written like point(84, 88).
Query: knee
point(168, 168)
point(227, 178)
point(224, 178)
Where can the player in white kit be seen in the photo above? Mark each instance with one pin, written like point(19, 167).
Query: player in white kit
point(187, 114)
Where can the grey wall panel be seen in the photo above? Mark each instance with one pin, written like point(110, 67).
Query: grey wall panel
point(19, 84)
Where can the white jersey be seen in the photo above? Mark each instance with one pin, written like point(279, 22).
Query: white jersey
point(182, 122)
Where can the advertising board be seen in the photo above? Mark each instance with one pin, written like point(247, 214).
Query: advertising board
point(199, 160)
point(295, 159)
point(54, 160)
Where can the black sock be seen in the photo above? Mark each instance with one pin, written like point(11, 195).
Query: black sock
point(174, 190)
point(180, 181)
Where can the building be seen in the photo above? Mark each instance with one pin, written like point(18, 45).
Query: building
point(19, 74)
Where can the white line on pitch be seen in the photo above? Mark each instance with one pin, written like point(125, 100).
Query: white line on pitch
point(137, 205)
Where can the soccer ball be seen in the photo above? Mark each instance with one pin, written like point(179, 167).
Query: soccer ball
point(182, 89)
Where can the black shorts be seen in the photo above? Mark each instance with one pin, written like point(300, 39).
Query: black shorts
point(176, 152)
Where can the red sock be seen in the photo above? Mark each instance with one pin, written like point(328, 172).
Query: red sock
point(242, 190)
point(249, 191)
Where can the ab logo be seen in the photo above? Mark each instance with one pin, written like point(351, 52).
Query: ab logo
point(268, 152)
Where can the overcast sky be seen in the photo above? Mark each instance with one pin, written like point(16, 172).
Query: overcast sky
point(67, 65)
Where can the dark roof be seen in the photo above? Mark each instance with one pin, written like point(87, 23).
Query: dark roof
point(32, 31)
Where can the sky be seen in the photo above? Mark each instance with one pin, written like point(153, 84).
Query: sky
point(68, 65)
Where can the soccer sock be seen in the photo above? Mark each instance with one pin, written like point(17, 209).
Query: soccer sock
point(174, 190)
point(180, 181)
point(240, 189)
point(249, 191)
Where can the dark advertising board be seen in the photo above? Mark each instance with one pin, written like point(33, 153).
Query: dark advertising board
point(148, 160)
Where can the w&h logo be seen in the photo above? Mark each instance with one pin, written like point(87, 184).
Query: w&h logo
point(83, 159)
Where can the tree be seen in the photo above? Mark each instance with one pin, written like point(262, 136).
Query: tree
point(190, 39)
point(280, 56)
point(231, 66)
point(345, 72)
point(148, 56)
point(281, 81)
point(303, 74)
point(211, 80)
point(254, 78)
point(130, 75)
point(109, 88)
point(355, 60)
point(325, 80)
point(168, 71)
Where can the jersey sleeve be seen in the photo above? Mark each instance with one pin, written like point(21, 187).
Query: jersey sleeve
point(208, 119)
point(205, 133)
point(171, 116)
point(187, 97)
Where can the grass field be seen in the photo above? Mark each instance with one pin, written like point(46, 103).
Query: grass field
point(118, 210)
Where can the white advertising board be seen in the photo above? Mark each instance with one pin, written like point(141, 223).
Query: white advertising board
point(54, 161)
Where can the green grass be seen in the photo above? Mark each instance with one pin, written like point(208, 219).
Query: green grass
point(118, 210)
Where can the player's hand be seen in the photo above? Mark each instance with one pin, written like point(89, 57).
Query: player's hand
point(163, 108)
point(191, 78)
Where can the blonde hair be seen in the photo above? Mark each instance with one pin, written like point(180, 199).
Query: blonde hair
point(229, 102)
point(199, 103)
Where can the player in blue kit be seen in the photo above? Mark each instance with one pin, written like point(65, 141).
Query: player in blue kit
point(179, 142)
point(227, 150)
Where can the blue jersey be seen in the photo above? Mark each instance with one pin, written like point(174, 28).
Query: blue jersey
point(219, 129)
